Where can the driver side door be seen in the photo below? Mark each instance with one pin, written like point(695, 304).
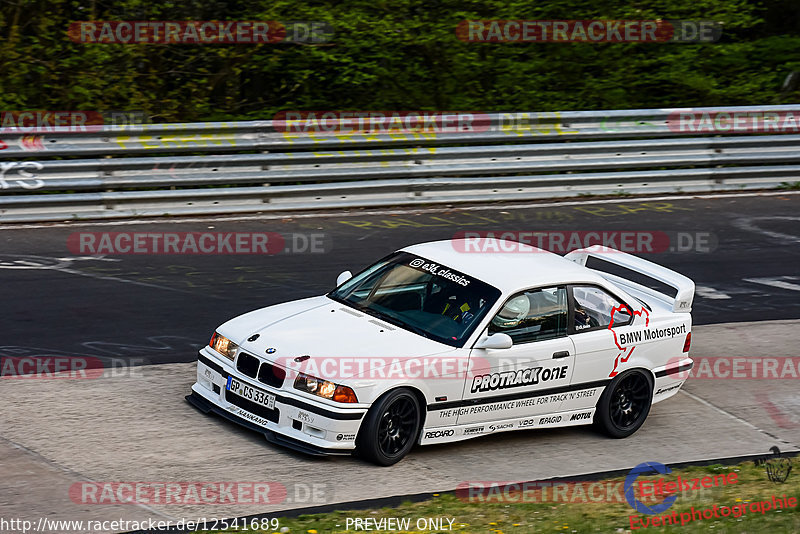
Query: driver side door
point(522, 380)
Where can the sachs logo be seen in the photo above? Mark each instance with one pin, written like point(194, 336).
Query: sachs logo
point(439, 434)
point(500, 427)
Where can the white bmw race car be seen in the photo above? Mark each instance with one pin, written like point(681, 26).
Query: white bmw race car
point(434, 344)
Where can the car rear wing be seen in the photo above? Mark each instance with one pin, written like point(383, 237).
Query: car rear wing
point(681, 302)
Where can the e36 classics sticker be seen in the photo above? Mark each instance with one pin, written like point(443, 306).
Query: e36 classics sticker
point(438, 270)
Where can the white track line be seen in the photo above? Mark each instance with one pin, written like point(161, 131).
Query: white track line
point(72, 473)
point(779, 282)
point(736, 418)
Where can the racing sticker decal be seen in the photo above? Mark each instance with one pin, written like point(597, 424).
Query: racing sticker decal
point(625, 352)
point(439, 434)
point(305, 417)
point(526, 423)
point(550, 420)
point(247, 415)
point(670, 388)
point(501, 426)
point(439, 270)
point(519, 378)
point(647, 335)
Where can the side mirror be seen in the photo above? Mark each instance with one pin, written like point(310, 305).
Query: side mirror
point(344, 277)
point(495, 341)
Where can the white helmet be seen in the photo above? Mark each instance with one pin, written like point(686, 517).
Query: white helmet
point(513, 312)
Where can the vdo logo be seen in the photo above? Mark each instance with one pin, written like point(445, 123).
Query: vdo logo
point(439, 434)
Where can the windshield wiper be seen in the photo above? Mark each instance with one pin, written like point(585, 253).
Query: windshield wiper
point(381, 315)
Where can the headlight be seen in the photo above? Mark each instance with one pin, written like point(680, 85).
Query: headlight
point(324, 388)
point(223, 345)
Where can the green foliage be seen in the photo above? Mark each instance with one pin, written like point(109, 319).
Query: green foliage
point(392, 55)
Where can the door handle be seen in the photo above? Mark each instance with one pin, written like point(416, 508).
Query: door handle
point(561, 354)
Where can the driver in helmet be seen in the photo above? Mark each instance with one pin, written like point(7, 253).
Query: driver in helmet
point(514, 311)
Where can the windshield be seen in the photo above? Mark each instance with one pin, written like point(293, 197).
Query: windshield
point(419, 295)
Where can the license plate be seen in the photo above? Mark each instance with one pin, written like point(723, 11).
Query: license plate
point(250, 393)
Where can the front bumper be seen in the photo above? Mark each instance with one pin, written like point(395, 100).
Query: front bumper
point(295, 422)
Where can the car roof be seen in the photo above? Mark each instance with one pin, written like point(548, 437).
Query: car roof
point(514, 266)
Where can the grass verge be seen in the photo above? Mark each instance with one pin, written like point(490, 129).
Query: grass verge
point(576, 510)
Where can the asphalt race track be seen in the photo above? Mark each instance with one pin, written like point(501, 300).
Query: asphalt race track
point(161, 308)
point(138, 310)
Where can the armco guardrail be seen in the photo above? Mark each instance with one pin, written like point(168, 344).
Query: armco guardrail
point(236, 167)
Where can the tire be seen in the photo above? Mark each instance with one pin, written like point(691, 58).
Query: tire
point(390, 428)
point(624, 405)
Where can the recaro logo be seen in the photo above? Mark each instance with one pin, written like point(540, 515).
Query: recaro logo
point(439, 434)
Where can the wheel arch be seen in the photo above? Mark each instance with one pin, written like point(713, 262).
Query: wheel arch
point(418, 394)
point(651, 377)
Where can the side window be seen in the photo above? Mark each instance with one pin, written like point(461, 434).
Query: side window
point(533, 315)
point(593, 309)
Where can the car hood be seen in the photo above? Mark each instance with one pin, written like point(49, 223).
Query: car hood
point(335, 337)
